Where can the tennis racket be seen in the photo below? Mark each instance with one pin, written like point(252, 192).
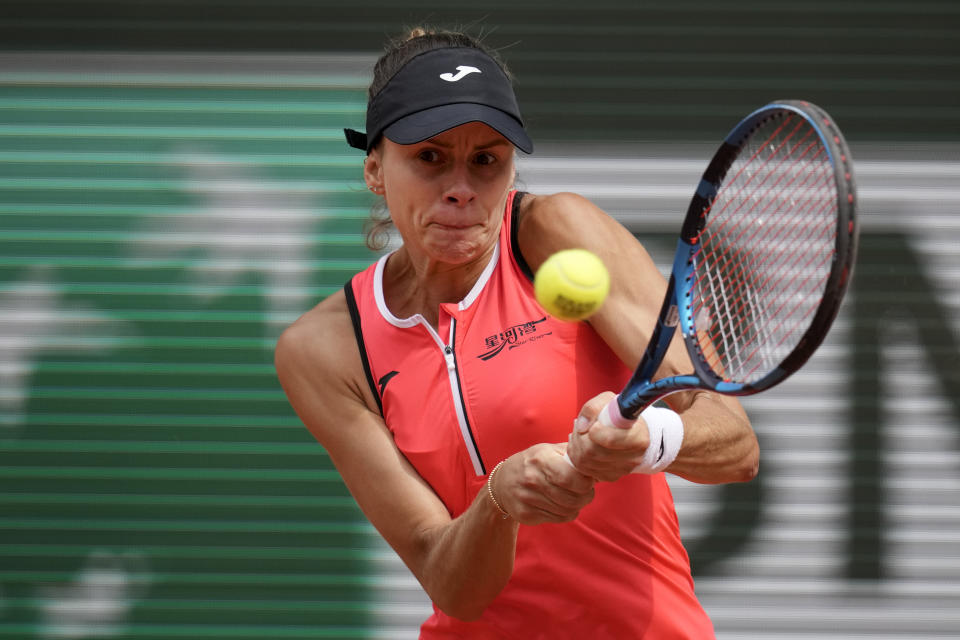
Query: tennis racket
point(763, 261)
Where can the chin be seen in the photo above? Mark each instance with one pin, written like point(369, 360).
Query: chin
point(460, 254)
point(460, 247)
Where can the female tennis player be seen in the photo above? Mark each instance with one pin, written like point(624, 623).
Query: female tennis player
point(445, 395)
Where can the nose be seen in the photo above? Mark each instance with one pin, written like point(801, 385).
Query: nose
point(460, 197)
point(459, 191)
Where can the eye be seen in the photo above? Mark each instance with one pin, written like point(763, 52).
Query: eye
point(429, 155)
point(485, 158)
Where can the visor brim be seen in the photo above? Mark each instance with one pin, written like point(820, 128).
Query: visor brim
point(425, 124)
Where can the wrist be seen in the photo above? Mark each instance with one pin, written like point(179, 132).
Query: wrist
point(492, 495)
point(666, 436)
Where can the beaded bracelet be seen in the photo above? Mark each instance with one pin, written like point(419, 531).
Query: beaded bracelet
point(503, 513)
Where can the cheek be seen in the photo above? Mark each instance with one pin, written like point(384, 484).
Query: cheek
point(406, 187)
point(498, 193)
point(404, 193)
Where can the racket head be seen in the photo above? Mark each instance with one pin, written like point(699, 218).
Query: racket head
point(770, 239)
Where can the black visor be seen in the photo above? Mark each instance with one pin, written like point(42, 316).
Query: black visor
point(439, 90)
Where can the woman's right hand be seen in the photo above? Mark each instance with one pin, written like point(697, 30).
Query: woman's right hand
point(537, 485)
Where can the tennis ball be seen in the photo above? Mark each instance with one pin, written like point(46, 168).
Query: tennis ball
point(572, 284)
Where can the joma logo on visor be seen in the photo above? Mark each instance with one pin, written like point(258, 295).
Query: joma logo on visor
point(464, 71)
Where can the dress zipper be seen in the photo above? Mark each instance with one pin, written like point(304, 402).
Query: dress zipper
point(459, 404)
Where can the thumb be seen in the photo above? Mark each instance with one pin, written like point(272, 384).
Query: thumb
point(591, 411)
point(582, 424)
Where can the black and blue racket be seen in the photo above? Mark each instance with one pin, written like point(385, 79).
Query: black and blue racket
point(764, 258)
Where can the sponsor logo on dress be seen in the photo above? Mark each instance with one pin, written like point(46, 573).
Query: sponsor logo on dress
point(513, 337)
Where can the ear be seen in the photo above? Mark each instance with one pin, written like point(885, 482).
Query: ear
point(373, 171)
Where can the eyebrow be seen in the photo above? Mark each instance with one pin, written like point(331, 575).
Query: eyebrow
point(494, 143)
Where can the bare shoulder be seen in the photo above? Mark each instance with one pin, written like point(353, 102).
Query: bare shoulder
point(317, 357)
point(316, 335)
point(550, 223)
point(548, 210)
point(566, 220)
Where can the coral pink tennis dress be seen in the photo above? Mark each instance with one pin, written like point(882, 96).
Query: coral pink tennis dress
point(498, 376)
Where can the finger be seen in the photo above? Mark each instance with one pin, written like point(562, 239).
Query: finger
point(549, 506)
point(600, 462)
point(564, 503)
point(590, 411)
point(577, 453)
point(560, 484)
point(577, 494)
point(610, 438)
point(536, 516)
point(568, 475)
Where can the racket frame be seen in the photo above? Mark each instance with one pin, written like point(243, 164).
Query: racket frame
point(641, 390)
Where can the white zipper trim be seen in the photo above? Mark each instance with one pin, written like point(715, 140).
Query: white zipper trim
point(449, 355)
point(416, 319)
point(448, 350)
point(403, 323)
point(481, 282)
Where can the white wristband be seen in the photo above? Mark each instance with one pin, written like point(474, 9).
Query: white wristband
point(666, 436)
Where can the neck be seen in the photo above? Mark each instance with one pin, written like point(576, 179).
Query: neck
point(411, 288)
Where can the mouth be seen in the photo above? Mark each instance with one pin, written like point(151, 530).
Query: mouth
point(453, 226)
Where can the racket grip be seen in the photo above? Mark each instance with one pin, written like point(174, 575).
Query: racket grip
point(666, 435)
point(610, 416)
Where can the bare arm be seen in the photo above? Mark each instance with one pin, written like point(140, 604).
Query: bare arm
point(463, 562)
point(719, 444)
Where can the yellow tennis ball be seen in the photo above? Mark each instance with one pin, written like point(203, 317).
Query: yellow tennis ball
point(572, 284)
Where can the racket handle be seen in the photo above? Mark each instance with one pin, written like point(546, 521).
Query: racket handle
point(609, 416)
point(666, 435)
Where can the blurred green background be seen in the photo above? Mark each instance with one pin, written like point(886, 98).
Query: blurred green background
point(174, 190)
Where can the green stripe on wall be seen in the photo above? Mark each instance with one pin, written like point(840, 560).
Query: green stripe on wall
point(156, 234)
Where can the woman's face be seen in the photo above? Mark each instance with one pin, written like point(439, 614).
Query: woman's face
point(446, 195)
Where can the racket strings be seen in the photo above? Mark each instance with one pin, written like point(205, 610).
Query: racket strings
point(751, 321)
point(743, 262)
point(756, 323)
point(761, 357)
point(765, 251)
point(737, 214)
point(740, 260)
